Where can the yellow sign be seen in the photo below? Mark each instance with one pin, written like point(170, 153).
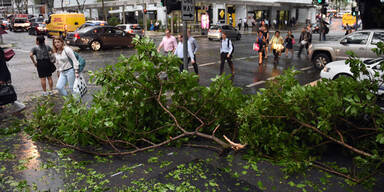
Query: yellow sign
point(222, 13)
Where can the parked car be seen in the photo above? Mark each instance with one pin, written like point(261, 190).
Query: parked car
point(134, 29)
point(37, 29)
point(360, 42)
point(98, 37)
point(93, 23)
point(214, 32)
point(338, 69)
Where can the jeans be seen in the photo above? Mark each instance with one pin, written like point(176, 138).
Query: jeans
point(66, 76)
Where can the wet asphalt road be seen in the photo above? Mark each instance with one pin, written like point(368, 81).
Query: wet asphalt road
point(249, 75)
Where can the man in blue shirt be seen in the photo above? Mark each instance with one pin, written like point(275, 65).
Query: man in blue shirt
point(226, 49)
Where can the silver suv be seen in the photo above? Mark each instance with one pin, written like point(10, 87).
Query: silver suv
point(360, 42)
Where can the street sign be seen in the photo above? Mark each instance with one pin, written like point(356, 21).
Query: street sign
point(188, 10)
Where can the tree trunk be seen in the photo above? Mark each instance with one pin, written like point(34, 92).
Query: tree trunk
point(104, 12)
point(372, 14)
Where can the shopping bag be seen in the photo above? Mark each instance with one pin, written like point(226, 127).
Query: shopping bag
point(80, 86)
point(8, 54)
point(256, 47)
point(7, 94)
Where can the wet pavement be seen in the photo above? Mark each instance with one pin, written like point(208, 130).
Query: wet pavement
point(249, 75)
point(38, 166)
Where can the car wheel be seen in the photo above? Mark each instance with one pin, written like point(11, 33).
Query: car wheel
point(210, 39)
point(95, 45)
point(342, 75)
point(320, 60)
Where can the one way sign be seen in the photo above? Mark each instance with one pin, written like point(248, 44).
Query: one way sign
point(188, 10)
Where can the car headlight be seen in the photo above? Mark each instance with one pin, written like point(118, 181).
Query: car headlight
point(326, 69)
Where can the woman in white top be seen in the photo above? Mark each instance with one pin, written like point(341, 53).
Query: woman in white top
point(67, 65)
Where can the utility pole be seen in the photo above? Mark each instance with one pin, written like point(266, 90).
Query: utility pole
point(145, 18)
point(187, 13)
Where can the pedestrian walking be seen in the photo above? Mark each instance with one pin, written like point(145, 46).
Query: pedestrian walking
point(260, 41)
point(265, 31)
point(324, 30)
point(226, 50)
point(239, 24)
point(288, 43)
point(168, 42)
point(245, 20)
point(67, 72)
point(5, 75)
point(192, 49)
point(305, 40)
point(277, 46)
point(44, 63)
point(179, 51)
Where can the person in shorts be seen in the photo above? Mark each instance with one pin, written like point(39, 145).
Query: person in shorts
point(44, 63)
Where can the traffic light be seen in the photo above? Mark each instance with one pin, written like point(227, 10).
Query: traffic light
point(173, 5)
point(163, 3)
point(324, 10)
point(321, 1)
point(354, 11)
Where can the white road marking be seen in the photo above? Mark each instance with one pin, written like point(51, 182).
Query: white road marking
point(306, 68)
point(255, 83)
point(21, 50)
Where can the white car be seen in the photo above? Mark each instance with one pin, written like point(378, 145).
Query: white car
point(338, 69)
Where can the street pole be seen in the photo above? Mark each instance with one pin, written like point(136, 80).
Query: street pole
point(321, 25)
point(185, 45)
point(145, 19)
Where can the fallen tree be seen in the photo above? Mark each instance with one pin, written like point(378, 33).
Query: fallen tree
point(146, 103)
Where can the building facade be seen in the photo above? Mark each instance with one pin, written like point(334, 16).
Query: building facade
point(219, 11)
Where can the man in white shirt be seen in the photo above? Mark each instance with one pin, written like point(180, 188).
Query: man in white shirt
point(179, 51)
point(226, 50)
point(192, 49)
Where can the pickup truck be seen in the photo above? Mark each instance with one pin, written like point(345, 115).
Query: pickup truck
point(360, 42)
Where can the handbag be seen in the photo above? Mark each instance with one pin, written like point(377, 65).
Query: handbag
point(80, 59)
point(293, 41)
point(304, 42)
point(8, 54)
point(7, 94)
point(80, 86)
point(256, 47)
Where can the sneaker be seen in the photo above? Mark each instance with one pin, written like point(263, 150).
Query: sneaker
point(44, 94)
point(50, 92)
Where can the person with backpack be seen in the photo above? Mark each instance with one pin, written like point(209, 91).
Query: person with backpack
point(68, 65)
point(226, 51)
point(44, 63)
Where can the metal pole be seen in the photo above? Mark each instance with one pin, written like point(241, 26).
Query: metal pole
point(357, 20)
point(124, 13)
point(321, 24)
point(145, 19)
point(185, 45)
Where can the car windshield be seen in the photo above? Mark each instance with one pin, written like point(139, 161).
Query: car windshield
point(215, 27)
point(122, 27)
point(373, 61)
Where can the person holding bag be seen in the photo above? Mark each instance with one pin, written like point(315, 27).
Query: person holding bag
point(259, 46)
point(277, 45)
point(44, 63)
point(288, 43)
point(67, 72)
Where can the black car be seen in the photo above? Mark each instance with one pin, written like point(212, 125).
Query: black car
point(98, 37)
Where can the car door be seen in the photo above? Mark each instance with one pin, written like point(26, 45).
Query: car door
point(376, 38)
point(109, 37)
point(122, 38)
point(355, 42)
